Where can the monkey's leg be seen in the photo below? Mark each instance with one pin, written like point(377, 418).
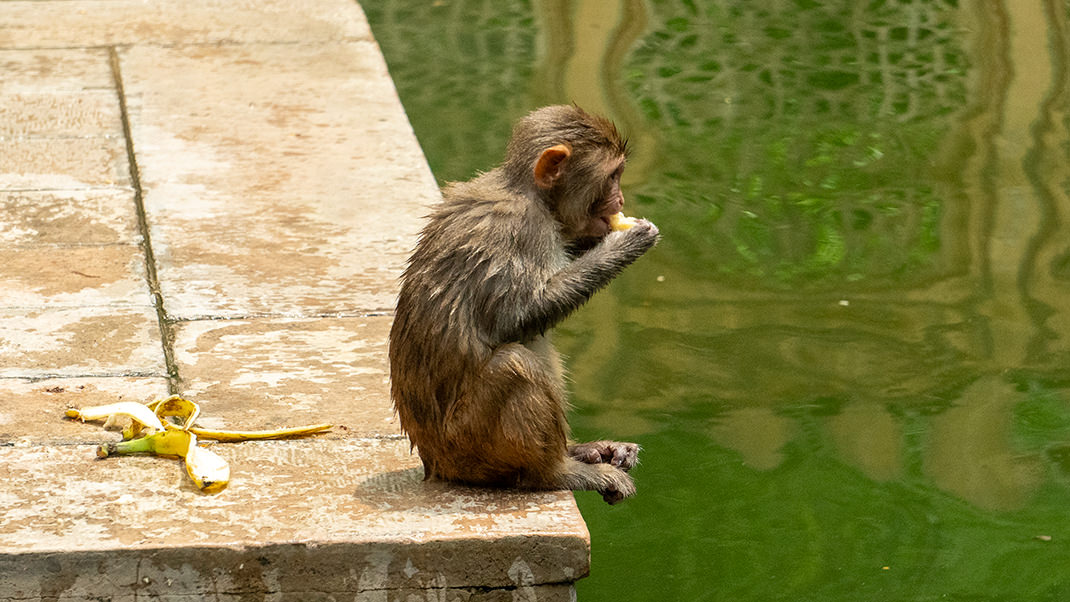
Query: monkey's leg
point(532, 430)
point(621, 454)
point(614, 484)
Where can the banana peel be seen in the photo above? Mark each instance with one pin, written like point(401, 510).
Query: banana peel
point(141, 414)
point(207, 469)
point(173, 434)
point(235, 436)
point(176, 406)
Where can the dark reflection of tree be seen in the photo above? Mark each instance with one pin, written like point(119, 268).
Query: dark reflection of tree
point(867, 221)
point(800, 135)
point(462, 68)
point(861, 303)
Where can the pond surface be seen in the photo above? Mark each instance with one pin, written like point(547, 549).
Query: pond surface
point(848, 361)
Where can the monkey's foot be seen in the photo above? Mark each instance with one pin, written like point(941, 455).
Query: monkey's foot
point(621, 454)
point(622, 487)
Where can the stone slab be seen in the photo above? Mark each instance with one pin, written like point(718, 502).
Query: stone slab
point(33, 24)
point(310, 520)
point(55, 583)
point(283, 190)
point(77, 276)
point(63, 163)
point(264, 374)
point(83, 341)
point(81, 114)
point(67, 217)
point(31, 411)
point(52, 71)
point(269, 198)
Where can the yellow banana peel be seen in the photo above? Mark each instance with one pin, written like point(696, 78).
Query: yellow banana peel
point(209, 471)
point(177, 407)
point(170, 443)
point(234, 436)
point(174, 435)
point(139, 412)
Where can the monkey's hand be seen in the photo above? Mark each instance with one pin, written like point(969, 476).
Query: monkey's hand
point(635, 240)
point(573, 285)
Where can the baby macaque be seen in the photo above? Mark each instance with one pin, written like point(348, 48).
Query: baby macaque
point(476, 383)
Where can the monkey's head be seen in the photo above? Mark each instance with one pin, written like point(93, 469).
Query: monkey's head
point(573, 161)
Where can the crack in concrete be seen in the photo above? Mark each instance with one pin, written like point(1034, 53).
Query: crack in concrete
point(167, 337)
point(35, 378)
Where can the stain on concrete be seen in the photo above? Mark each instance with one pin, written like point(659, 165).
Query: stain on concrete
point(47, 163)
point(82, 23)
point(104, 275)
point(277, 200)
point(94, 113)
point(84, 341)
point(33, 71)
point(73, 217)
point(279, 372)
point(33, 409)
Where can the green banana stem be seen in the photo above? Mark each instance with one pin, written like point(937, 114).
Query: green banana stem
point(141, 445)
point(174, 443)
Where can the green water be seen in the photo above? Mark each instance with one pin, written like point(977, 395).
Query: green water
point(848, 361)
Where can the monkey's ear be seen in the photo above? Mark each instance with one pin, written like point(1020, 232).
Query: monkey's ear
point(550, 165)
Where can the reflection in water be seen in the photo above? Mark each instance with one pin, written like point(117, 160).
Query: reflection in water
point(851, 350)
point(587, 43)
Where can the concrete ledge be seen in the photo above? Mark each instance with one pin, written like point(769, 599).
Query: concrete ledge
point(216, 199)
point(299, 517)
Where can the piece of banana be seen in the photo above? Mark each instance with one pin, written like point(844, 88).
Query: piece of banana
point(622, 222)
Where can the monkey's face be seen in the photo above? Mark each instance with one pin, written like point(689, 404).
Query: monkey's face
point(604, 205)
point(588, 197)
point(603, 202)
point(581, 183)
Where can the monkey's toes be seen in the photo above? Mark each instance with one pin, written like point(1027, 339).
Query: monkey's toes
point(587, 455)
point(625, 455)
point(620, 454)
point(621, 487)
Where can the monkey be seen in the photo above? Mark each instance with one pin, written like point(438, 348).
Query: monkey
point(476, 383)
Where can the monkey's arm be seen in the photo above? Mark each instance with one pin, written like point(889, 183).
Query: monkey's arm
point(572, 286)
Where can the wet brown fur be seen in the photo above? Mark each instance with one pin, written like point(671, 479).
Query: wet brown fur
point(476, 383)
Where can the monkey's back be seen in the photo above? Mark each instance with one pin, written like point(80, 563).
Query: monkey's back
point(472, 268)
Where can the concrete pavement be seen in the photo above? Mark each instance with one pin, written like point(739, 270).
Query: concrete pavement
point(215, 199)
